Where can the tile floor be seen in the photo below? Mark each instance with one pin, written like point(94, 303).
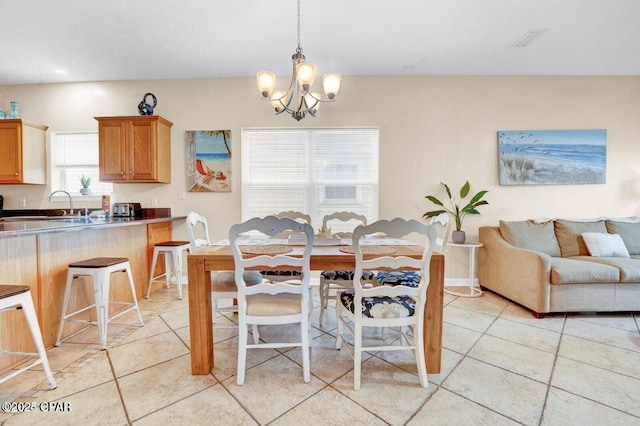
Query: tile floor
point(501, 366)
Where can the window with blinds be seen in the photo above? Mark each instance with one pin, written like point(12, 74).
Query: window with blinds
point(316, 171)
point(76, 154)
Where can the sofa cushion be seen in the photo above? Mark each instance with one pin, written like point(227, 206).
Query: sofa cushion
point(529, 235)
point(569, 235)
point(582, 271)
point(628, 231)
point(604, 245)
point(629, 268)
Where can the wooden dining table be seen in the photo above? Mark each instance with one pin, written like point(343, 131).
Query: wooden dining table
point(219, 258)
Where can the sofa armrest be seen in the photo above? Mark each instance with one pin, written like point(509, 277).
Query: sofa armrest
point(518, 274)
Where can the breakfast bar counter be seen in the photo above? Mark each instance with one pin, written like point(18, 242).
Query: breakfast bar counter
point(36, 252)
point(18, 226)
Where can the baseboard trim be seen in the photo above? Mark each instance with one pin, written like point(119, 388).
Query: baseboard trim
point(459, 282)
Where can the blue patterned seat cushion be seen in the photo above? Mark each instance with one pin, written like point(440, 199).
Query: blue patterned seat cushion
point(346, 275)
point(381, 307)
point(408, 278)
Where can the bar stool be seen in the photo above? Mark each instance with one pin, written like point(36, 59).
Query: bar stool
point(172, 251)
point(100, 270)
point(16, 297)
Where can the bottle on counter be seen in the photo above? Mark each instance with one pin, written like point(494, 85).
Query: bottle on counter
point(106, 206)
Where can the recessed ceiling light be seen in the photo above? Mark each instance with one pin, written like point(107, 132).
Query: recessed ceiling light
point(527, 38)
point(60, 71)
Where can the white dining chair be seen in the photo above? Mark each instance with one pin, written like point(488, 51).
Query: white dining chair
point(269, 303)
point(223, 283)
point(443, 227)
point(340, 279)
point(401, 304)
point(298, 216)
point(295, 215)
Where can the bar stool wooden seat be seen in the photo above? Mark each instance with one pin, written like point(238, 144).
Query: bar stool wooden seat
point(100, 270)
point(16, 297)
point(172, 251)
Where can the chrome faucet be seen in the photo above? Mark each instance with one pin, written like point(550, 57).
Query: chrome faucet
point(70, 200)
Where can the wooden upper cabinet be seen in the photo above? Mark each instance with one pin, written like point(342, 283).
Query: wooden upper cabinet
point(135, 149)
point(23, 156)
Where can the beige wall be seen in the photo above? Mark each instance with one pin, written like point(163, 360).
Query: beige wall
point(432, 129)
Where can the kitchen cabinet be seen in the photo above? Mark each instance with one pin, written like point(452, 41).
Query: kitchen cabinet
point(134, 149)
point(22, 152)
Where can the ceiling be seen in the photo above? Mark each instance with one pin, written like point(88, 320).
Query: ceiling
point(98, 40)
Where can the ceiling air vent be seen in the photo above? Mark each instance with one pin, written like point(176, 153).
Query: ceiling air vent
point(527, 38)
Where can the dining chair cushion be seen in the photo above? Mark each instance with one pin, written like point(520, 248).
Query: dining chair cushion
point(408, 278)
point(273, 304)
point(346, 275)
point(381, 307)
point(226, 281)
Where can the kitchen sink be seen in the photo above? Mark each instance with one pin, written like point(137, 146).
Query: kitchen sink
point(23, 218)
point(70, 218)
point(65, 218)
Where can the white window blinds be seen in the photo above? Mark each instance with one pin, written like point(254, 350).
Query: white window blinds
point(76, 154)
point(316, 171)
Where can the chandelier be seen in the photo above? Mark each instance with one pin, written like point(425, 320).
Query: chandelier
point(298, 100)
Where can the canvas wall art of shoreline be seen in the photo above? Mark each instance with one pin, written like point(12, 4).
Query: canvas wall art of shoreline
point(552, 157)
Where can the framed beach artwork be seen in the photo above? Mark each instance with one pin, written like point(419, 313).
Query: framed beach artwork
point(552, 157)
point(208, 160)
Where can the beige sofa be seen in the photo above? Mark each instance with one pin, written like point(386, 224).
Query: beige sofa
point(563, 265)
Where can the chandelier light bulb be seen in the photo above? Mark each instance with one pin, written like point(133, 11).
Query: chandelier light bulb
point(276, 99)
point(306, 74)
point(331, 84)
point(266, 83)
point(312, 101)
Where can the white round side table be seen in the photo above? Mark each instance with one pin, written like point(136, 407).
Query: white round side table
point(473, 290)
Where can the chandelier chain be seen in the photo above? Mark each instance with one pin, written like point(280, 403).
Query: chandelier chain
point(299, 49)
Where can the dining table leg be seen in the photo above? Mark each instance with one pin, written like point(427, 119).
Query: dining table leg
point(433, 316)
point(200, 317)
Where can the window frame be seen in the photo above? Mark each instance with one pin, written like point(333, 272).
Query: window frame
point(59, 170)
point(314, 184)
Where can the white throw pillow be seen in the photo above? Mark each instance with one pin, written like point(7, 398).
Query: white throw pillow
point(605, 245)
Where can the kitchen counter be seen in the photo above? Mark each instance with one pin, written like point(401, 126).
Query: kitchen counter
point(12, 226)
point(36, 252)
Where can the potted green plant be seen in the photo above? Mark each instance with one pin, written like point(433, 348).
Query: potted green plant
point(458, 209)
point(85, 181)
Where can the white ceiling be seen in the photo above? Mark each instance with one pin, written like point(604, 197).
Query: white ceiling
point(96, 40)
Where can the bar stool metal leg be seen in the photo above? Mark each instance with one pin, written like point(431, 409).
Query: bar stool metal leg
point(32, 320)
point(14, 297)
point(65, 305)
point(154, 261)
point(133, 294)
point(101, 291)
point(169, 267)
